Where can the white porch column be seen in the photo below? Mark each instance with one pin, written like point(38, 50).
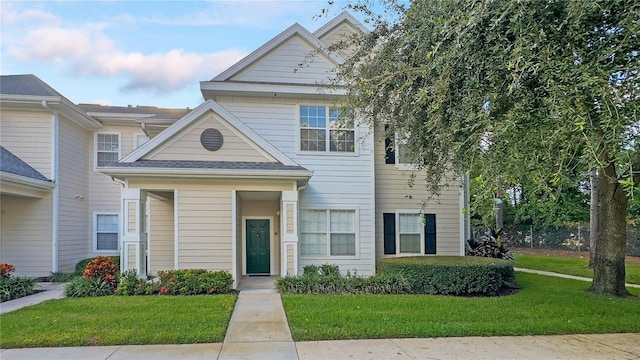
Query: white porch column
point(134, 236)
point(289, 233)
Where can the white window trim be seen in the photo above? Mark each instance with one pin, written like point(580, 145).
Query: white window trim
point(328, 232)
point(95, 146)
point(396, 149)
point(408, 211)
point(95, 232)
point(135, 139)
point(299, 151)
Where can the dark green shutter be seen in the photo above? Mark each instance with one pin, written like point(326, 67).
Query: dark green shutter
point(430, 234)
point(390, 155)
point(389, 233)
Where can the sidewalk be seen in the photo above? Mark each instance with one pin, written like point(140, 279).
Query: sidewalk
point(258, 329)
point(51, 291)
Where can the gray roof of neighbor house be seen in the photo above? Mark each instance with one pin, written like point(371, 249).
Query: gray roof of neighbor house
point(9, 163)
point(28, 84)
point(153, 112)
point(221, 165)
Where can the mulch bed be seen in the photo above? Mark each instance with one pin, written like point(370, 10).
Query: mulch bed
point(565, 253)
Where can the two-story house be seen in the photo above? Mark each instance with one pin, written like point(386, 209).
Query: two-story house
point(262, 178)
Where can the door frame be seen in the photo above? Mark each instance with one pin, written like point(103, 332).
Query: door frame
point(272, 239)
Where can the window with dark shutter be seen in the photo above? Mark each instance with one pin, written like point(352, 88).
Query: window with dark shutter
point(430, 234)
point(390, 154)
point(389, 233)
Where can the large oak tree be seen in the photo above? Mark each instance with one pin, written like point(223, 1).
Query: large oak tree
point(531, 89)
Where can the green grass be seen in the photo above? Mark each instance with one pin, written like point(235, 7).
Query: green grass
point(570, 266)
point(114, 320)
point(544, 305)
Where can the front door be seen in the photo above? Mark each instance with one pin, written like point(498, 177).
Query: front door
point(258, 246)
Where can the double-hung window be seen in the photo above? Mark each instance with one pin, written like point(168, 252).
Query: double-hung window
point(106, 232)
point(107, 148)
point(322, 130)
point(328, 233)
point(409, 232)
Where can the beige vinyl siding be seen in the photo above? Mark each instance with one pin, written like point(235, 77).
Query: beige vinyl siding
point(27, 134)
point(104, 193)
point(161, 235)
point(290, 259)
point(282, 65)
point(256, 208)
point(391, 194)
point(205, 229)
point(131, 257)
point(340, 33)
point(236, 147)
point(74, 218)
point(25, 234)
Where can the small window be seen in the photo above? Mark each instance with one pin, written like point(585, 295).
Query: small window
point(410, 231)
point(327, 233)
point(107, 148)
point(318, 121)
point(106, 232)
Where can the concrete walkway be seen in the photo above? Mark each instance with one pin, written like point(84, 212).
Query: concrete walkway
point(258, 329)
point(572, 277)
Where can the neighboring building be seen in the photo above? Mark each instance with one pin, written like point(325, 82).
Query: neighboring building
point(262, 178)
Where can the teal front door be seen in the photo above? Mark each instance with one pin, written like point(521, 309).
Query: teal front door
point(257, 246)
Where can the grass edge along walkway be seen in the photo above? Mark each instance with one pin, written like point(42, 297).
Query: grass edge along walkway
point(565, 276)
point(543, 306)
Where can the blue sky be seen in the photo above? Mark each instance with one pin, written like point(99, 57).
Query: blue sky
point(141, 52)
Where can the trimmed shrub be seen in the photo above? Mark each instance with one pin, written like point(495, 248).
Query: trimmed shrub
point(130, 284)
point(451, 275)
point(81, 287)
point(336, 284)
point(61, 277)
point(82, 264)
point(194, 282)
point(13, 288)
point(101, 268)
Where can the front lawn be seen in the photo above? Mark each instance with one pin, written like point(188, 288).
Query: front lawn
point(544, 305)
point(570, 266)
point(115, 320)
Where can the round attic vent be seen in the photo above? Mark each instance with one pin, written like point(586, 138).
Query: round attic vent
point(211, 139)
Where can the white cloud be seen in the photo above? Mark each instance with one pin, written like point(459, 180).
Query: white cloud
point(14, 14)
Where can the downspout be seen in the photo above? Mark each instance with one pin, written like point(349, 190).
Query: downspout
point(54, 179)
point(143, 126)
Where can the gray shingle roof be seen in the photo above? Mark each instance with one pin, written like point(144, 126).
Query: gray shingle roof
point(156, 112)
point(28, 84)
point(221, 165)
point(9, 163)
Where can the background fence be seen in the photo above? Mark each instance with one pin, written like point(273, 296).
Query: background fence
point(574, 238)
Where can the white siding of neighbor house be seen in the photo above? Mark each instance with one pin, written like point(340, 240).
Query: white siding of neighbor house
point(161, 235)
point(340, 33)
point(27, 134)
point(73, 209)
point(282, 65)
point(26, 228)
point(340, 181)
point(104, 192)
point(391, 194)
point(187, 145)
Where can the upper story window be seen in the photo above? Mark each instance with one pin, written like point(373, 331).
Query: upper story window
point(316, 122)
point(107, 148)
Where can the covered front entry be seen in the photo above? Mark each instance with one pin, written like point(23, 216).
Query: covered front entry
point(258, 246)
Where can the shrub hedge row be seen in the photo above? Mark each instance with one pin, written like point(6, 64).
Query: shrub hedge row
point(451, 275)
point(336, 284)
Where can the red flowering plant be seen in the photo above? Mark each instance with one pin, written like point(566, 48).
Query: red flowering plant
point(6, 270)
point(101, 268)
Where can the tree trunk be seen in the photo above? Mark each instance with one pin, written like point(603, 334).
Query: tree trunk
point(608, 270)
point(593, 217)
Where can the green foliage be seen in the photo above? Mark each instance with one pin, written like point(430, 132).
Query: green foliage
point(61, 277)
point(129, 284)
point(15, 287)
point(322, 270)
point(491, 245)
point(337, 284)
point(82, 264)
point(81, 287)
point(451, 275)
point(194, 282)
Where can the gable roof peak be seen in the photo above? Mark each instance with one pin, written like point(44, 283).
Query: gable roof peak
point(344, 16)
